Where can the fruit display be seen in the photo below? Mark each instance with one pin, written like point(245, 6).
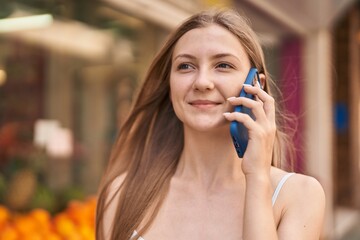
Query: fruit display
point(76, 222)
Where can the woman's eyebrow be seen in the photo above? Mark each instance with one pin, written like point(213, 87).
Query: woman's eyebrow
point(185, 55)
point(216, 56)
point(222, 55)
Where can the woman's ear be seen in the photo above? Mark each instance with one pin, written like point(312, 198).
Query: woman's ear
point(262, 80)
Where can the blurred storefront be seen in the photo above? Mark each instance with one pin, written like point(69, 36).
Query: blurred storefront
point(317, 57)
point(67, 79)
point(68, 73)
point(66, 87)
point(346, 105)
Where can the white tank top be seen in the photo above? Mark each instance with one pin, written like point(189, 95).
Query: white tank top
point(273, 200)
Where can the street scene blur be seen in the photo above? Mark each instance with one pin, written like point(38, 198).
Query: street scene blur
point(69, 71)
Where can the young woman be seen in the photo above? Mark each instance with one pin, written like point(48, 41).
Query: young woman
point(174, 172)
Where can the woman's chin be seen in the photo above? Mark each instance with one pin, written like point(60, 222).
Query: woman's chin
point(208, 126)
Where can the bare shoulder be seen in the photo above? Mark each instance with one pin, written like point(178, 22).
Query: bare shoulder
point(301, 206)
point(305, 191)
point(116, 184)
point(112, 203)
point(298, 185)
point(307, 184)
point(113, 191)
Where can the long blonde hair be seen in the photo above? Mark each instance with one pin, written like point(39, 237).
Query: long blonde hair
point(151, 140)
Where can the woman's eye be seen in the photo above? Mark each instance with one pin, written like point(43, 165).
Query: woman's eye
point(184, 66)
point(224, 65)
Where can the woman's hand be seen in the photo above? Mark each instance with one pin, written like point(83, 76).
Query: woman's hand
point(258, 155)
point(256, 163)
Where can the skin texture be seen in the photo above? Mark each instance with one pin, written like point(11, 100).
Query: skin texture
point(214, 194)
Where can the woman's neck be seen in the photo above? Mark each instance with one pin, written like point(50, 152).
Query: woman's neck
point(209, 159)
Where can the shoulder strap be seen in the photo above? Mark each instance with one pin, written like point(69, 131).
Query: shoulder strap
point(279, 186)
point(135, 235)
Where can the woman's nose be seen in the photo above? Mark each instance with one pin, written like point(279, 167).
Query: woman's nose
point(203, 81)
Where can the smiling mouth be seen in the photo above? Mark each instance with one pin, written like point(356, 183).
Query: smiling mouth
point(204, 103)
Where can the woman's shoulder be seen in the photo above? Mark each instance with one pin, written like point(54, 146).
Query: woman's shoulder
point(113, 193)
point(300, 208)
point(116, 183)
point(297, 179)
point(299, 188)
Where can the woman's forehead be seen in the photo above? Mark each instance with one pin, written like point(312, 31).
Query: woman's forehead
point(212, 39)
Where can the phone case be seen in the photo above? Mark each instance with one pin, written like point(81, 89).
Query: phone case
point(239, 133)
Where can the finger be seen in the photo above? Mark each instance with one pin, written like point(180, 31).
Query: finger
point(244, 118)
point(269, 102)
point(255, 90)
point(256, 107)
point(235, 101)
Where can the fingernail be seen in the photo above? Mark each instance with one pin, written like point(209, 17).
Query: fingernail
point(226, 114)
point(230, 98)
point(247, 85)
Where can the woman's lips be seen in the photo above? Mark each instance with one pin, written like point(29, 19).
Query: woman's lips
point(203, 103)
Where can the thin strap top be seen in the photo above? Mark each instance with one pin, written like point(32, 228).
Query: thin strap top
point(134, 235)
point(279, 186)
point(273, 199)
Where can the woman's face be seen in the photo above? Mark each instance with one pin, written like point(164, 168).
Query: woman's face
point(209, 65)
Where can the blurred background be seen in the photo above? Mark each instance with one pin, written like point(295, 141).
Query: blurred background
point(69, 71)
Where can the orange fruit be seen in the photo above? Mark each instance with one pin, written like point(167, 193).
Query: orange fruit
point(4, 216)
point(87, 232)
point(52, 236)
point(24, 224)
point(64, 225)
point(79, 212)
point(41, 219)
point(9, 233)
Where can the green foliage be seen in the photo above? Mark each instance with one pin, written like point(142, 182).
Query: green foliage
point(44, 198)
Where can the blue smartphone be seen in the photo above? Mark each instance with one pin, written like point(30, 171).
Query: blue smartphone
point(239, 133)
